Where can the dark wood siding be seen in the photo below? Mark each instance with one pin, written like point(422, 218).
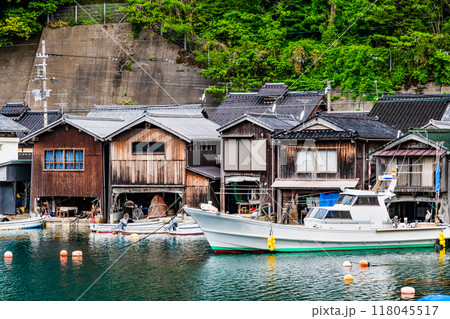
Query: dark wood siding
point(86, 183)
point(148, 169)
point(345, 160)
point(197, 189)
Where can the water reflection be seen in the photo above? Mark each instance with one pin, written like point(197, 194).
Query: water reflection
point(161, 267)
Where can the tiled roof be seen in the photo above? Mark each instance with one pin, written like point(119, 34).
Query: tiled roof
point(405, 111)
point(291, 102)
point(364, 126)
point(273, 89)
point(96, 126)
point(272, 122)
point(9, 126)
point(14, 109)
point(212, 172)
point(315, 134)
point(34, 120)
point(186, 121)
point(347, 127)
point(131, 112)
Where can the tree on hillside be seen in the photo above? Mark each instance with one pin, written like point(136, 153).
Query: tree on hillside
point(22, 18)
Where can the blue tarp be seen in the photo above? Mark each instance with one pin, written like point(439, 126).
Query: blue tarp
point(328, 199)
point(435, 298)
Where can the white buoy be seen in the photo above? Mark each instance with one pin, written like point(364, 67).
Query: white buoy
point(8, 254)
point(77, 253)
point(407, 292)
point(346, 264)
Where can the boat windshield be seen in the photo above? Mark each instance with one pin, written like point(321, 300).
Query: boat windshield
point(320, 213)
point(346, 199)
point(339, 214)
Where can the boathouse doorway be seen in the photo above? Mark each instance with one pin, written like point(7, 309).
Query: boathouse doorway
point(68, 206)
point(145, 204)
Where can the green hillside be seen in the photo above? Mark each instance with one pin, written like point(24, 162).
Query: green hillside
point(362, 46)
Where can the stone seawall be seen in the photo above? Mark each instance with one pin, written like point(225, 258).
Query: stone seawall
point(90, 66)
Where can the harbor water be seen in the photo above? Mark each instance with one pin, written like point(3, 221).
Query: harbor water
point(177, 268)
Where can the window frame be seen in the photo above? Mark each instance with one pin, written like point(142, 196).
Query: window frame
point(148, 148)
point(311, 161)
point(62, 163)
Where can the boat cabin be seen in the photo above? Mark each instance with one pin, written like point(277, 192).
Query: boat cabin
point(354, 209)
point(321, 157)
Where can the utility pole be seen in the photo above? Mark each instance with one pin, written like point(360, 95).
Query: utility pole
point(328, 96)
point(44, 94)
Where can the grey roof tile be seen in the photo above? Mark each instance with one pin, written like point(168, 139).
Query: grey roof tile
point(186, 121)
point(34, 120)
point(290, 102)
point(14, 109)
point(10, 126)
point(405, 111)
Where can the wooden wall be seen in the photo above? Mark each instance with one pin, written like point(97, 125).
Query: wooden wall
point(148, 169)
point(197, 190)
point(86, 183)
point(345, 157)
point(248, 128)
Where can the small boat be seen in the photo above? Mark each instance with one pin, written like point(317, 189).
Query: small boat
point(186, 229)
point(34, 222)
point(358, 221)
point(140, 227)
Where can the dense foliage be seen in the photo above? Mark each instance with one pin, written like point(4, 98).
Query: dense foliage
point(360, 45)
point(307, 42)
point(22, 18)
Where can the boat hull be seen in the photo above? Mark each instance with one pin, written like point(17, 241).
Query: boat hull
point(187, 229)
point(138, 228)
point(30, 223)
point(233, 234)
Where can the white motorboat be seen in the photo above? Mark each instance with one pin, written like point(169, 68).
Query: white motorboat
point(29, 223)
point(186, 229)
point(140, 227)
point(171, 227)
point(359, 220)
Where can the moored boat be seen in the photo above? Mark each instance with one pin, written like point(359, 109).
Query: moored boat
point(29, 223)
point(141, 227)
point(186, 229)
point(359, 220)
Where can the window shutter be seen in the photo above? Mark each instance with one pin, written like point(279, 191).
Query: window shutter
point(259, 150)
point(245, 157)
point(230, 155)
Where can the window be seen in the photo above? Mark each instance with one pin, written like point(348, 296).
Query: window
point(245, 155)
point(317, 161)
point(321, 213)
point(415, 172)
point(147, 148)
point(339, 214)
point(367, 201)
point(64, 160)
point(49, 160)
point(346, 199)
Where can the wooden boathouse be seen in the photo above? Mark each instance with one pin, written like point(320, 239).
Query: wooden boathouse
point(320, 157)
point(164, 155)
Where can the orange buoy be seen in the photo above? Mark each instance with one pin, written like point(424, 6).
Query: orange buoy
point(77, 253)
point(348, 278)
point(114, 233)
point(8, 254)
point(364, 263)
point(346, 264)
point(63, 253)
